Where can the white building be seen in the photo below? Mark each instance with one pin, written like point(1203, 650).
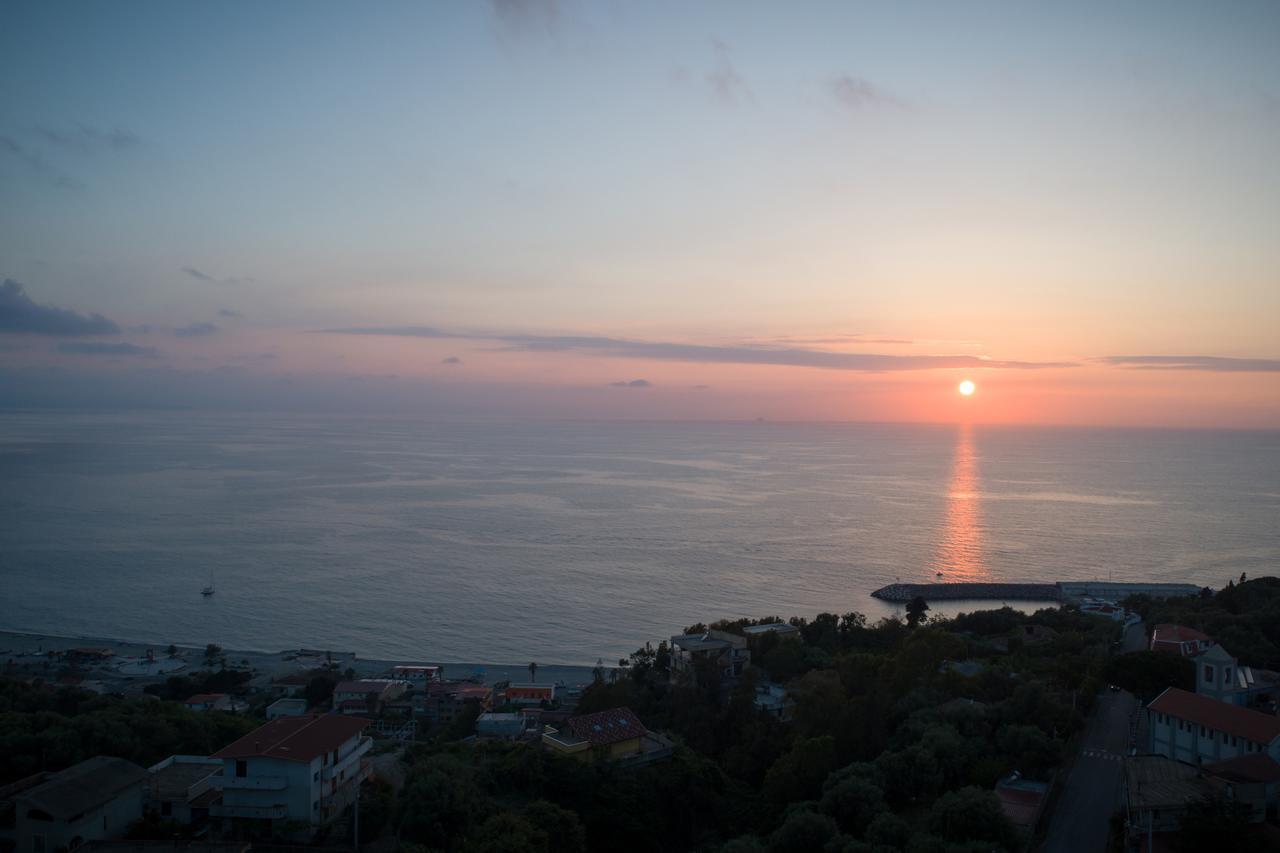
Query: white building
point(293, 769)
point(352, 697)
point(289, 706)
point(1200, 729)
point(183, 788)
point(93, 800)
point(726, 653)
point(418, 675)
point(774, 701)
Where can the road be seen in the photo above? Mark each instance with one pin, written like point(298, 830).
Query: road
point(1091, 792)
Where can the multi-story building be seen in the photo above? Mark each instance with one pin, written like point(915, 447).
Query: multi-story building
point(293, 769)
point(1179, 640)
point(1200, 729)
point(90, 801)
point(367, 695)
point(529, 694)
point(726, 653)
point(182, 788)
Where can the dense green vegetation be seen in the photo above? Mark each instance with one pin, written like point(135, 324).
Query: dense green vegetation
point(1243, 616)
point(42, 728)
point(891, 748)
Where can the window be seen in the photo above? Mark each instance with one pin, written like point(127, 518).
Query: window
point(315, 807)
point(37, 844)
point(242, 769)
point(1208, 674)
point(1226, 677)
point(1233, 740)
point(166, 808)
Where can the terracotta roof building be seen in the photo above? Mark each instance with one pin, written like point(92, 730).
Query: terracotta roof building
point(1198, 729)
point(616, 734)
point(1179, 640)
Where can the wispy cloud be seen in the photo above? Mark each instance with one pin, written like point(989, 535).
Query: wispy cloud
point(230, 314)
point(19, 314)
point(664, 351)
point(196, 330)
point(105, 348)
point(634, 383)
point(525, 17)
point(857, 93)
point(37, 166)
point(1213, 363)
point(453, 359)
point(199, 275)
point(727, 84)
point(85, 138)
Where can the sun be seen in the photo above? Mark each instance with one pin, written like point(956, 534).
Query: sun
point(967, 388)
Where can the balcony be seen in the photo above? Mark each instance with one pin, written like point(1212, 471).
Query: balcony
point(348, 762)
point(255, 783)
point(261, 812)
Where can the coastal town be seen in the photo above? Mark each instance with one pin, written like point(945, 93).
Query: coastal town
point(1168, 732)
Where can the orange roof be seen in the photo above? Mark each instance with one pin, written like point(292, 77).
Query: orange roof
point(295, 738)
point(1254, 767)
point(202, 698)
point(1221, 716)
point(1178, 634)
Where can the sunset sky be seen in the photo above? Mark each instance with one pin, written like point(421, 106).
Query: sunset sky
point(813, 211)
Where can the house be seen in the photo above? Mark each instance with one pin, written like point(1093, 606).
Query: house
point(183, 787)
point(1105, 609)
point(367, 695)
point(613, 735)
point(89, 656)
point(287, 707)
point(418, 675)
point(1250, 779)
point(530, 694)
point(1199, 729)
point(1022, 800)
point(773, 700)
point(446, 703)
point(209, 702)
point(293, 684)
point(726, 653)
point(782, 630)
point(1157, 792)
point(293, 770)
point(89, 801)
point(1179, 640)
point(1220, 676)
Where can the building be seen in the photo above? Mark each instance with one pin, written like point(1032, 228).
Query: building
point(496, 726)
point(530, 694)
point(418, 675)
point(293, 769)
point(287, 707)
point(1157, 792)
point(366, 696)
point(779, 629)
point(1250, 779)
point(726, 653)
point(1199, 729)
point(613, 735)
point(773, 700)
point(209, 702)
point(1022, 801)
point(1179, 640)
point(93, 800)
point(1220, 676)
point(183, 787)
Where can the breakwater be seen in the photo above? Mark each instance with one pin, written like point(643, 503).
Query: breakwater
point(1060, 591)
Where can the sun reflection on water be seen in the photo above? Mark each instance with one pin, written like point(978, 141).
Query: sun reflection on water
point(959, 556)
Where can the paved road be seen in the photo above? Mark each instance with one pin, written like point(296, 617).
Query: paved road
point(1135, 638)
point(1091, 792)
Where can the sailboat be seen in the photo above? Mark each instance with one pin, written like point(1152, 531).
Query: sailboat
point(208, 590)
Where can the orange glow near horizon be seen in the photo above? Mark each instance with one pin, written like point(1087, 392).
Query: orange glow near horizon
point(959, 557)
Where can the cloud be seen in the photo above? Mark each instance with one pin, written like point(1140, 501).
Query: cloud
point(727, 84)
point(453, 359)
point(86, 138)
point(203, 276)
point(857, 93)
point(634, 383)
point(196, 330)
point(526, 17)
point(1214, 363)
point(710, 354)
point(104, 348)
point(227, 312)
point(37, 166)
point(19, 314)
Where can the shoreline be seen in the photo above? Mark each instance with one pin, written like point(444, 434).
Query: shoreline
point(19, 645)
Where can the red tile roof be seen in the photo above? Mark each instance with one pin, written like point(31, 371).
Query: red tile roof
point(1178, 634)
point(1255, 767)
point(295, 738)
point(1221, 716)
point(203, 698)
point(605, 727)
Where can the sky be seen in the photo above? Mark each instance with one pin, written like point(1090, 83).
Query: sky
point(546, 208)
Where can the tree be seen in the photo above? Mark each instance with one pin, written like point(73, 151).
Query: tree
point(798, 774)
point(172, 651)
point(533, 671)
point(916, 608)
point(853, 802)
point(971, 814)
point(212, 651)
point(558, 823)
point(320, 689)
point(803, 831)
point(508, 833)
point(1214, 823)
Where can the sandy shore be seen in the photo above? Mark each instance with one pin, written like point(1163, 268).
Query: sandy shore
point(129, 662)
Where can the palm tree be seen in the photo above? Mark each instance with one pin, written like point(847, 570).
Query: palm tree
point(916, 609)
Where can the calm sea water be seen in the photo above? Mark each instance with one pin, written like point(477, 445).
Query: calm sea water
point(566, 542)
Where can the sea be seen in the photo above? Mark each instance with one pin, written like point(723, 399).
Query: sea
point(569, 543)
